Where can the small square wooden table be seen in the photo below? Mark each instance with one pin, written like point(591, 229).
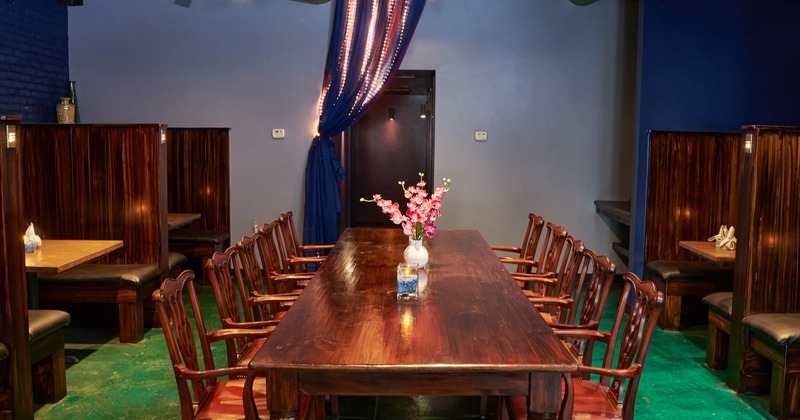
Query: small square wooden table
point(709, 251)
point(57, 255)
point(176, 220)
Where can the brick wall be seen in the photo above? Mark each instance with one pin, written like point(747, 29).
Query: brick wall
point(34, 58)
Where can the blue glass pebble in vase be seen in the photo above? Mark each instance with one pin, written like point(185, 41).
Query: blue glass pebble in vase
point(407, 279)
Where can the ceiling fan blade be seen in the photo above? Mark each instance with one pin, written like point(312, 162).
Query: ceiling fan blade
point(183, 3)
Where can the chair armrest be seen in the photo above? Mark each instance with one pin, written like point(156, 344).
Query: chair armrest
point(582, 334)
point(520, 261)
point(187, 373)
point(259, 299)
point(311, 248)
point(629, 372)
point(293, 277)
point(231, 333)
point(592, 325)
point(536, 280)
point(304, 260)
point(547, 275)
point(228, 323)
point(546, 300)
point(511, 249)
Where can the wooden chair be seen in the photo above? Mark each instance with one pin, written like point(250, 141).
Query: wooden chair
point(294, 258)
point(254, 281)
point(217, 270)
point(530, 242)
point(570, 279)
point(540, 274)
point(613, 395)
point(201, 393)
point(277, 281)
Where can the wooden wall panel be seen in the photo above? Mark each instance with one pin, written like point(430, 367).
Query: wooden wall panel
point(48, 155)
point(198, 173)
point(16, 398)
point(692, 189)
point(113, 179)
point(767, 271)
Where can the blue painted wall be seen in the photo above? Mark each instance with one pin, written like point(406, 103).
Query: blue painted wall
point(712, 65)
point(34, 58)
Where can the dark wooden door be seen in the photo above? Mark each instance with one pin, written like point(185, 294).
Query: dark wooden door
point(381, 151)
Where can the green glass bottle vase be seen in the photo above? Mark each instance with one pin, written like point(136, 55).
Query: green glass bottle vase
point(73, 99)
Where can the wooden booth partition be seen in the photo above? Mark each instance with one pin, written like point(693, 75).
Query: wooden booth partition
point(198, 174)
point(692, 189)
point(16, 399)
point(99, 182)
point(767, 270)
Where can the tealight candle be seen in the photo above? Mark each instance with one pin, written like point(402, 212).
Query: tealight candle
point(407, 279)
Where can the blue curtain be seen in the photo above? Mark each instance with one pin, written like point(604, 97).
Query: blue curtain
point(368, 41)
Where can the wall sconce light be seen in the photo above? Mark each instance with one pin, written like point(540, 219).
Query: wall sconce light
point(748, 143)
point(391, 114)
point(11, 136)
point(423, 111)
point(162, 132)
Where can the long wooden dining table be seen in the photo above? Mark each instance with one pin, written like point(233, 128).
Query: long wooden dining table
point(471, 332)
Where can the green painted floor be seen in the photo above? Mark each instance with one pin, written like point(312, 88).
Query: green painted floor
point(115, 381)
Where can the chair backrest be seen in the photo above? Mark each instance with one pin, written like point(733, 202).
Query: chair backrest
point(270, 256)
point(530, 242)
point(291, 243)
point(571, 276)
point(255, 280)
point(217, 269)
point(550, 255)
point(552, 248)
point(633, 334)
point(180, 335)
point(593, 299)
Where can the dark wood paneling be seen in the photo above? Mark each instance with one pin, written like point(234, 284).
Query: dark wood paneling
point(108, 182)
point(198, 175)
point(16, 398)
point(767, 270)
point(47, 155)
point(692, 189)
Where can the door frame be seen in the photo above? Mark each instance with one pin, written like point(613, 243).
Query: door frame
point(397, 86)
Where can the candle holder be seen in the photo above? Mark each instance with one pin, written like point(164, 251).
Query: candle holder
point(407, 281)
point(30, 247)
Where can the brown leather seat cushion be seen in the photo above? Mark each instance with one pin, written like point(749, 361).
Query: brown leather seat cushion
point(784, 329)
point(667, 270)
point(722, 301)
point(198, 235)
point(131, 275)
point(175, 260)
point(44, 321)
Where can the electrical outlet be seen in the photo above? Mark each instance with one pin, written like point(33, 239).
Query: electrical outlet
point(278, 133)
point(481, 136)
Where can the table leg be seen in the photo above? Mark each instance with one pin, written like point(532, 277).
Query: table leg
point(33, 290)
point(545, 395)
point(283, 396)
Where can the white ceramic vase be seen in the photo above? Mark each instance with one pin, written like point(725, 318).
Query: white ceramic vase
point(415, 252)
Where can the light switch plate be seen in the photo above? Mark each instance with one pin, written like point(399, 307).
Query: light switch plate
point(278, 133)
point(481, 136)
